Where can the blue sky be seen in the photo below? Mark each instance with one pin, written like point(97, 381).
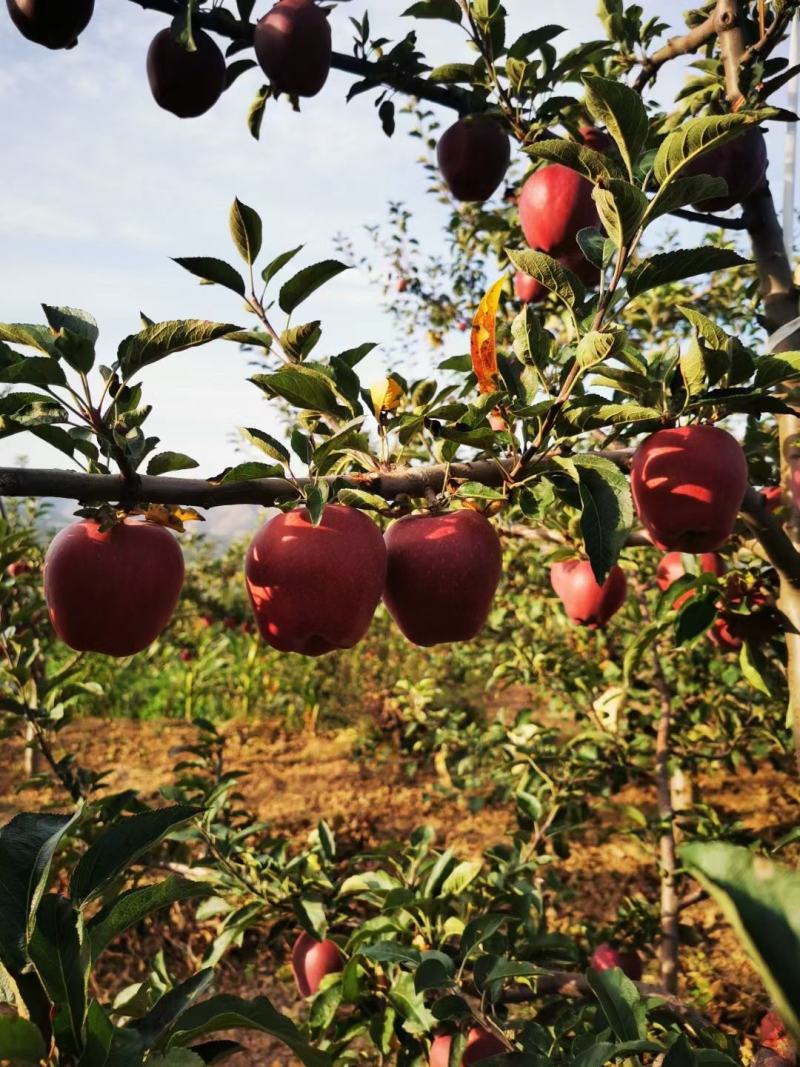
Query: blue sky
point(101, 187)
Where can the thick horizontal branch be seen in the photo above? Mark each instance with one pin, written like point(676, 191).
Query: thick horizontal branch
point(408, 481)
point(220, 21)
point(195, 492)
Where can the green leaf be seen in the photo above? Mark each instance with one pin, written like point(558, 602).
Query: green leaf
point(278, 263)
point(121, 844)
point(108, 1046)
point(748, 664)
point(130, 908)
point(255, 114)
point(606, 508)
point(453, 73)
point(27, 846)
point(697, 136)
point(761, 900)
point(20, 333)
point(782, 367)
point(248, 472)
point(460, 878)
point(226, 1012)
point(353, 356)
point(594, 347)
point(620, 109)
point(478, 491)
point(303, 387)
point(668, 267)
point(695, 617)
point(299, 341)
point(30, 370)
point(550, 273)
point(154, 1027)
point(358, 498)
point(75, 320)
point(164, 338)
point(20, 1041)
point(60, 954)
point(170, 461)
point(215, 271)
point(251, 338)
point(246, 231)
point(347, 438)
point(686, 191)
point(266, 443)
point(479, 930)
point(594, 165)
point(620, 1002)
point(306, 282)
point(435, 9)
point(621, 207)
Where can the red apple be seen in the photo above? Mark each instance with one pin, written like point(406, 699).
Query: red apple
point(599, 140)
point(315, 588)
point(577, 262)
point(311, 961)
point(186, 83)
point(554, 205)
point(605, 957)
point(293, 46)
point(773, 496)
point(113, 591)
point(52, 23)
point(732, 627)
point(671, 567)
point(772, 1034)
point(401, 285)
point(186, 655)
point(527, 289)
point(481, 1045)
point(18, 568)
point(586, 602)
point(473, 156)
point(688, 484)
point(442, 575)
point(742, 162)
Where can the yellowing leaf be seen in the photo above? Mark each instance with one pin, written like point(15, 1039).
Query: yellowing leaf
point(386, 395)
point(172, 516)
point(482, 341)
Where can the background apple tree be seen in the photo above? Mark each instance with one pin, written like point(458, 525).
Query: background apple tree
point(594, 339)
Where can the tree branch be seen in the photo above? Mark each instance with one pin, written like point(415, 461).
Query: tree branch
point(676, 46)
point(381, 72)
point(709, 219)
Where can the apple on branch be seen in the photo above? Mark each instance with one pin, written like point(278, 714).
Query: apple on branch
point(443, 570)
point(186, 83)
point(293, 46)
point(112, 591)
point(315, 588)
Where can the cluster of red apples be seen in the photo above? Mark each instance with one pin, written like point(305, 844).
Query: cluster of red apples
point(292, 44)
point(313, 589)
point(688, 484)
point(313, 960)
point(556, 203)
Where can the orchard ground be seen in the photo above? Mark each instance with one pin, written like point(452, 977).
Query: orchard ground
point(295, 778)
